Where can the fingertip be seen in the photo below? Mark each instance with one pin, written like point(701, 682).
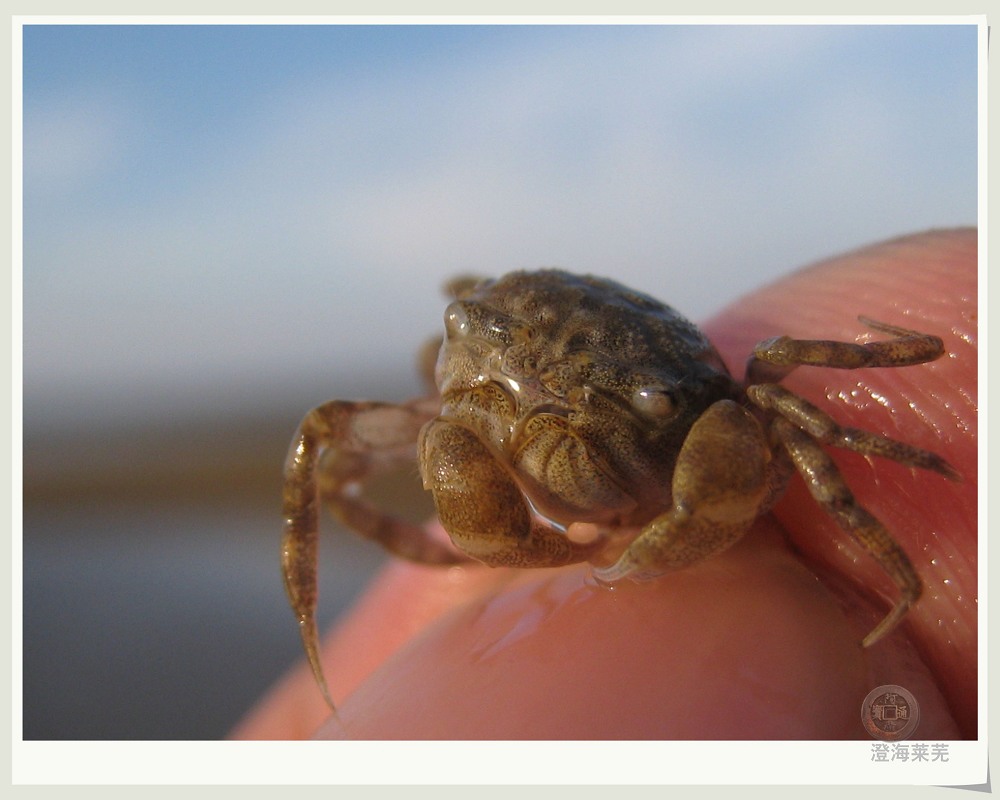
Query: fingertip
point(747, 645)
point(925, 282)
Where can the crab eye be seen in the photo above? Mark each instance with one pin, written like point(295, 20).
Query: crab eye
point(456, 320)
point(653, 402)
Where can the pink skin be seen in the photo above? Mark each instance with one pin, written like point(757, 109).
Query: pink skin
point(761, 642)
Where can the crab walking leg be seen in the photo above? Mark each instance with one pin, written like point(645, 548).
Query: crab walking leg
point(721, 484)
point(481, 506)
point(828, 488)
point(773, 359)
point(363, 438)
point(824, 428)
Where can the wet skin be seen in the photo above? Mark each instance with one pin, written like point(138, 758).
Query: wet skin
point(472, 652)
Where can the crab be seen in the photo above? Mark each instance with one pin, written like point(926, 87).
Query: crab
point(577, 420)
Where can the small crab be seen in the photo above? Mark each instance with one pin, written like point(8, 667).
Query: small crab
point(565, 399)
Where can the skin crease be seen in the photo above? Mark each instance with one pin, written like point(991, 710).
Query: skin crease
point(761, 642)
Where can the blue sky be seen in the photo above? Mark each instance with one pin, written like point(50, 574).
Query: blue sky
point(216, 212)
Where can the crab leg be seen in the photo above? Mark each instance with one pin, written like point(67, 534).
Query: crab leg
point(775, 358)
point(721, 484)
point(800, 428)
point(822, 427)
point(360, 438)
point(828, 488)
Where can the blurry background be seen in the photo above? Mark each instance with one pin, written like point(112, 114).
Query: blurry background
point(224, 226)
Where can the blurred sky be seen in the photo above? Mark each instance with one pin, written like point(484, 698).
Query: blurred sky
point(213, 214)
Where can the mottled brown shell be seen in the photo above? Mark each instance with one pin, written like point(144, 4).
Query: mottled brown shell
point(627, 374)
